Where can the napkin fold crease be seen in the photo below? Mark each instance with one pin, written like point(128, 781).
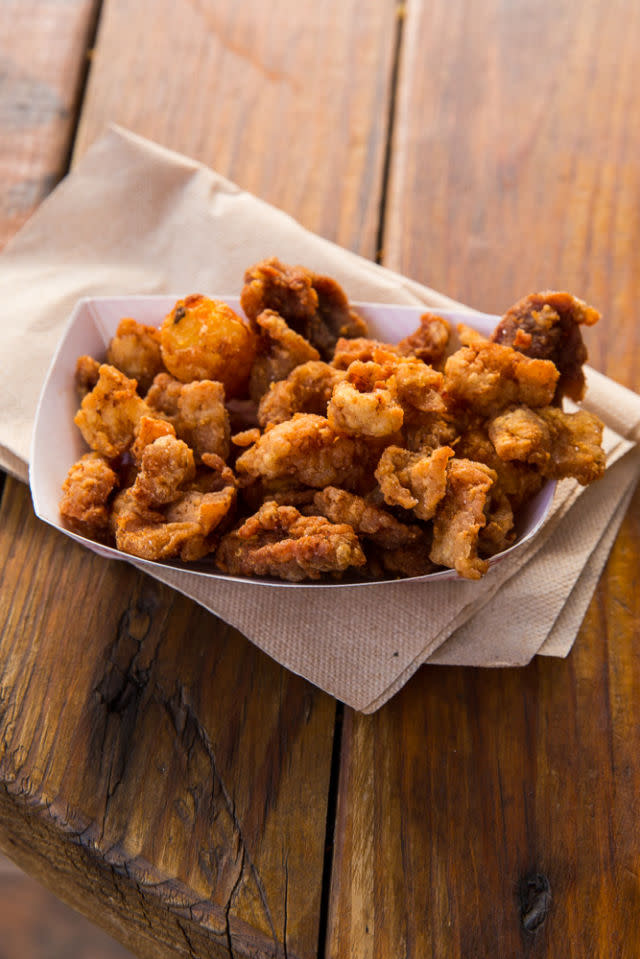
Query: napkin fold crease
point(134, 217)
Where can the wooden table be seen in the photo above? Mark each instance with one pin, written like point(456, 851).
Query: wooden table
point(156, 770)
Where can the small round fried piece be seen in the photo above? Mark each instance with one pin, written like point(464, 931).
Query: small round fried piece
point(203, 339)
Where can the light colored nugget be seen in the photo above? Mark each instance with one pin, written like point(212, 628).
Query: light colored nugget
point(461, 516)
point(135, 351)
point(279, 541)
point(110, 413)
point(415, 481)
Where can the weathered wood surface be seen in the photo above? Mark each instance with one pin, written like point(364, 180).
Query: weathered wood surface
point(159, 772)
point(154, 799)
point(43, 56)
point(514, 168)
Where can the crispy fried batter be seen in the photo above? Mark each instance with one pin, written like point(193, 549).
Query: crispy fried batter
point(428, 431)
point(559, 444)
point(307, 450)
point(307, 389)
point(461, 516)
point(165, 466)
point(364, 517)
point(135, 351)
point(314, 306)
point(362, 404)
point(196, 411)
point(429, 342)
point(499, 532)
point(87, 375)
point(519, 481)
point(109, 415)
point(185, 527)
point(362, 349)
point(85, 494)
point(489, 377)
point(280, 349)
point(148, 430)
point(418, 387)
point(279, 541)
point(415, 481)
point(547, 326)
point(409, 560)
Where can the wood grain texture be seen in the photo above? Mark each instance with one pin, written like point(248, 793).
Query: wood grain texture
point(158, 771)
point(43, 48)
point(289, 100)
point(494, 813)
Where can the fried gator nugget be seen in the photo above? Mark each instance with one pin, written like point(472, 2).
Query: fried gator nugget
point(279, 350)
point(547, 326)
point(559, 444)
point(307, 389)
point(172, 510)
point(196, 410)
point(487, 377)
point(314, 306)
point(110, 413)
point(363, 404)
point(365, 518)
point(279, 541)
point(307, 450)
point(460, 517)
point(85, 494)
point(415, 481)
point(135, 351)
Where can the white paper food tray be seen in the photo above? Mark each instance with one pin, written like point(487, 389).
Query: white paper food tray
point(57, 442)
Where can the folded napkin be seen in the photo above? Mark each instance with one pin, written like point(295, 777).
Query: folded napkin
point(135, 218)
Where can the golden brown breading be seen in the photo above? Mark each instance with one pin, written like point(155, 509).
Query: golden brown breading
point(547, 326)
point(314, 306)
point(135, 351)
point(499, 532)
point(203, 339)
point(307, 450)
point(428, 431)
point(110, 413)
point(165, 466)
point(307, 389)
point(148, 430)
point(363, 405)
point(489, 377)
point(429, 342)
point(415, 481)
point(520, 481)
point(196, 411)
point(409, 560)
point(85, 494)
point(186, 526)
point(279, 541)
point(418, 387)
point(559, 444)
point(365, 518)
point(279, 350)
point(87, 375)
point(362, 349)
point(461, 516)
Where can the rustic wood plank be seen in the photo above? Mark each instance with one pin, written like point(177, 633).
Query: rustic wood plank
point(43, 47)
point(166, 777)
point(290, 103)
point(514, 168)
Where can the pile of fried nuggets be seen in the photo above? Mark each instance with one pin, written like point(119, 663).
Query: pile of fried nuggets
point(296, 447)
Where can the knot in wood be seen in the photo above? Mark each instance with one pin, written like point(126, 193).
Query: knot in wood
point(535, 900)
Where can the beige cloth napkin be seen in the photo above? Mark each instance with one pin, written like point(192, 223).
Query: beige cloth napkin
point(136, 218)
